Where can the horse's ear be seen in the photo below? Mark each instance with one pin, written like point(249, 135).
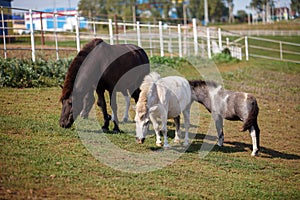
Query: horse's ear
point(156, 108)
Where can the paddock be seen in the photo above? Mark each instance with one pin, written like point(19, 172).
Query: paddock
point(39, 159)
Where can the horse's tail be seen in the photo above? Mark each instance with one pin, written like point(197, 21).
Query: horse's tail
point(252, 117)
point(149, 80)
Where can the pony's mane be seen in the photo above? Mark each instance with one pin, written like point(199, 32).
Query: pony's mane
point(201, 83)
point(74, 67)
point(145, 88)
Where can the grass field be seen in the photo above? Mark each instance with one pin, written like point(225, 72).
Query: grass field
point(38, 159)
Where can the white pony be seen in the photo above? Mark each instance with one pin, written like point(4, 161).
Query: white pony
point(163, 98)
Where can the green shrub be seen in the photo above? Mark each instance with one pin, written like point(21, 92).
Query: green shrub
point(224, 58)
point(23, 73)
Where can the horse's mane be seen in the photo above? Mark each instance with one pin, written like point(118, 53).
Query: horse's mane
point(74, 67)
point(145, 88)
point(201, 83)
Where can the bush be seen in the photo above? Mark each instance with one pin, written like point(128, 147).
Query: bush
point(224, 58)
point(23, 73)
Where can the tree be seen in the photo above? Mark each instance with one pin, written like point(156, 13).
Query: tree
point(216, 9)
point(92, 8)
point(242, 15)
point(262, 7)
point(230, 11)
point(295, 6)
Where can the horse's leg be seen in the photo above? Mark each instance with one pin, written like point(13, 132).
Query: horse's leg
point(113, 105)
point(156, 129)
point(102, 104)
point(186, 115)
point(177, 129)
point(164, 119)
point(219, 126)
point(127, 104)
point(255, 132)
point(88, 103)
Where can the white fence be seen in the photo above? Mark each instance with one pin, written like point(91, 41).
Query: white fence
point(157, 39)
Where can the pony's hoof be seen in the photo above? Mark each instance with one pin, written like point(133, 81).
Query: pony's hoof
point(166, 146)
point(116, 130)
point(254, 153)
point(84, 116)
point(159, 144)
point(125, 120)
point(176, 141)
point(185, 144)
point(105, 130)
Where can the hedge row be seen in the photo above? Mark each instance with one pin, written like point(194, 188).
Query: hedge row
point(23, 73)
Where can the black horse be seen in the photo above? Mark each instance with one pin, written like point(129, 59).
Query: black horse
point(100, 66)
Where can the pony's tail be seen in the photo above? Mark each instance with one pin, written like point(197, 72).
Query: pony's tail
point(252, 117)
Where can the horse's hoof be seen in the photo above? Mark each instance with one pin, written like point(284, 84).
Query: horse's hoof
point(254, 153)
point(220, 144)
point(125, 120)
point(159, 144)
point(116, 131)
point(105, 130)
point(185, 144)
point(177, 141)
point(166, 146)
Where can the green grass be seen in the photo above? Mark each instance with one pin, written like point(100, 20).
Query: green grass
point(38, 159)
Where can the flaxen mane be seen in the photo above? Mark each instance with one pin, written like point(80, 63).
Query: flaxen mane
point(147, 84)
point(74, 68)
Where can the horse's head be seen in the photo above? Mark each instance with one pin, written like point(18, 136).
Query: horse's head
point(66, 117)
point(142, 122)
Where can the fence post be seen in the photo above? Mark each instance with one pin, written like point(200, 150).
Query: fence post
point(150, 39)
point(94, 28)
point(246, 48)
point(138, 31)
point(161, 39)
point(3, 33)
point(208, 44)
point(227, 42)
point(42, 29)
point(125, 35)
point(116, 29)
point(280, 46)
point(170, 48)
point(220, 38)
point(179, 41)
point(77, 33)
point(111, 34)
point(32, 36)
point(55, 35)
point(195, 36)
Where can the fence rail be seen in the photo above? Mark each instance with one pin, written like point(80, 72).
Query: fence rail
point(157, 39)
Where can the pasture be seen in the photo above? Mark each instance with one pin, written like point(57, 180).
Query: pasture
point(38, 159)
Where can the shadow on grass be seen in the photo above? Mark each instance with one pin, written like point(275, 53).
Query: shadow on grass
point(265, 152)
point(235, 147)
point(240, 147)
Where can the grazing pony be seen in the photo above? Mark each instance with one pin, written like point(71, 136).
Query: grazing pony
point(100, 66)
point(162, 98)
point(225, 104)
